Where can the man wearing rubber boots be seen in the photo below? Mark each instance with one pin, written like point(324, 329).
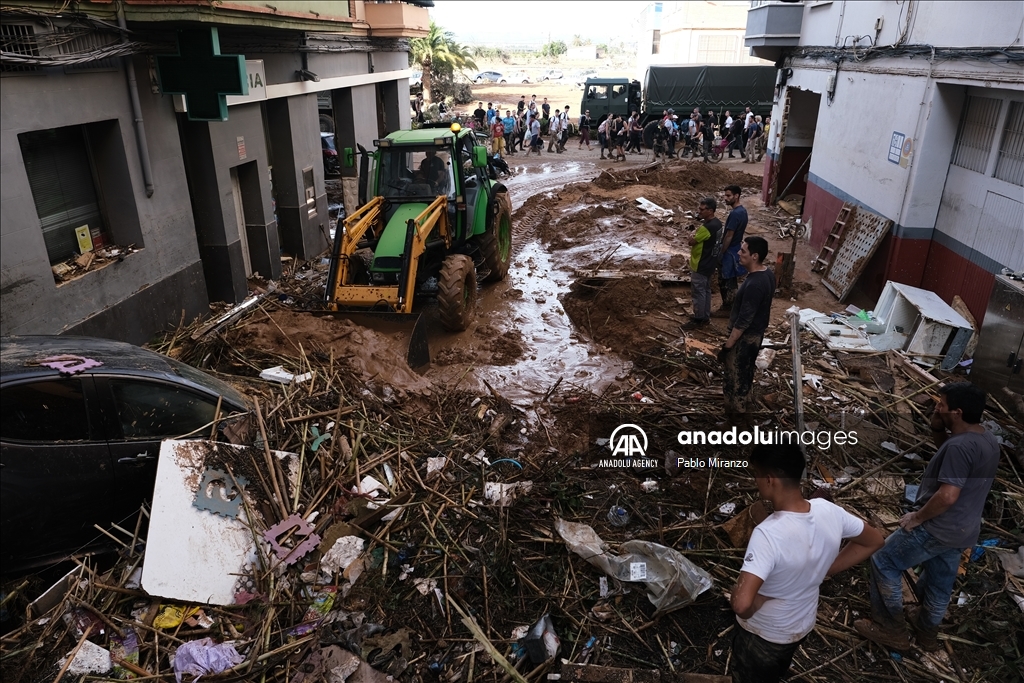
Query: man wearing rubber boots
point(948, 520)
point(751, 312)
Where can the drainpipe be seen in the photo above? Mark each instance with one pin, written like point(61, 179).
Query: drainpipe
point(133, 90)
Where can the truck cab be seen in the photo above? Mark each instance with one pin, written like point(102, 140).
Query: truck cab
point(605, 96)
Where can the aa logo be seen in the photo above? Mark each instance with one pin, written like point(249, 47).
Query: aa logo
point(628, 441)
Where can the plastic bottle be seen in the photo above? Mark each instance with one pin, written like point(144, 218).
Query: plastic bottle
point(618, 516)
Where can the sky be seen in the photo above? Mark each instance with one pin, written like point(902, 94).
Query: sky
point(495, 23)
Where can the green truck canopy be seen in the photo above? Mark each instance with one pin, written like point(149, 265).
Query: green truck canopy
point(708, 87)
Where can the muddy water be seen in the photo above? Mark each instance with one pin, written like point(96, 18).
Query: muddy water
point(553, 348)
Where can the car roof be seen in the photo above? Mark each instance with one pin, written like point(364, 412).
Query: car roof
point(19, 356)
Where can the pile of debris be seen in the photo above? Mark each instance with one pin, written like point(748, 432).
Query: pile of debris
point(365, 524)
point(88, 261)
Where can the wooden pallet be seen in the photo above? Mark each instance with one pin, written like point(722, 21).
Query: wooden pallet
point(834, 239)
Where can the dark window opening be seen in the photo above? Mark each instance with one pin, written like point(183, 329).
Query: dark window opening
point(60, 173)
point(82, 188)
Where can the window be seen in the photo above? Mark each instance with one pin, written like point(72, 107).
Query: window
point(618, 91)
point(656, 42)
point(18, 39)
point(60, 174)
point(416, 172)
point(151, 409)
point(52, 410)
point(716, 49)
point(68, 169)
point(976, 134)
point(1010, 164)
point(597, 92)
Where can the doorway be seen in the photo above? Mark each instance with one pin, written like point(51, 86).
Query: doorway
point(236, 195)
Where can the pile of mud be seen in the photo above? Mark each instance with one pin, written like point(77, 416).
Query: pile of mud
point(619, 314)
point(372, 355)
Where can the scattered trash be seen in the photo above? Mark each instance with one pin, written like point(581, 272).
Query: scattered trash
point(979, 550)
point(89, 659)
point(653, 209)
point(764, 359)
point(618, 516)
point(505, 494)
point(541, 641)
point(672, 580)
point(203, 656)
point(281, 376)
point(649, 485)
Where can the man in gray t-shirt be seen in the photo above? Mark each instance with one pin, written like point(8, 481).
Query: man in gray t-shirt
point(951, 501)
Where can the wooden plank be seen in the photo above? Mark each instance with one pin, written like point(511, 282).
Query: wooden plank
point(665, 277)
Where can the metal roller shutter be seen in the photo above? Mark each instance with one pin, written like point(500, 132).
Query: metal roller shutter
point(60, 174)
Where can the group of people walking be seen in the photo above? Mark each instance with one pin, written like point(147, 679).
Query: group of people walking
point(532, 124)
point(525, 128)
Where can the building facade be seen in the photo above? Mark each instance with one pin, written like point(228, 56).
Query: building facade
point(896, 108)
point(91, 145)
point(692, 33)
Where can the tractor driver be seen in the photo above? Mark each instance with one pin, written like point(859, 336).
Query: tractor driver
point(432, 170)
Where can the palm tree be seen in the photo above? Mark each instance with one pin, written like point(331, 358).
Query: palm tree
point(577, 40)
point(439, 55)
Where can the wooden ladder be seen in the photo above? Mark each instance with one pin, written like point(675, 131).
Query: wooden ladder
point(834, 239)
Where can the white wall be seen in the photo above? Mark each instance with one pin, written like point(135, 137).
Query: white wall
point(684, 24)
point(947, 24)
point(852, 136)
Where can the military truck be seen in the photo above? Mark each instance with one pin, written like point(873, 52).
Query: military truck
point(682, 88)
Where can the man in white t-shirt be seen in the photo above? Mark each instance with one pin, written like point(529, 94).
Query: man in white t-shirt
point(790, 553)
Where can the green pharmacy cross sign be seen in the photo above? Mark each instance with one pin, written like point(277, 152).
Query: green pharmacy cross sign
point(202, 74)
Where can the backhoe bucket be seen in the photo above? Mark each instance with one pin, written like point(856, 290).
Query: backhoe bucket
point(389, 323)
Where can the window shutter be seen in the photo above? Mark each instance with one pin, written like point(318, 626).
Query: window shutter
point(60, 175)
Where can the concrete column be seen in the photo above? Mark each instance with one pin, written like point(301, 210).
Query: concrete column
point(210, 187)
point(294, 126)
point(355, 118)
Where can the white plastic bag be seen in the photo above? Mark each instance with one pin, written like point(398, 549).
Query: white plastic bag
point(672, 580)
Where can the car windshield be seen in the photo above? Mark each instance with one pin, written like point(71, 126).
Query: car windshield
point(415, 172)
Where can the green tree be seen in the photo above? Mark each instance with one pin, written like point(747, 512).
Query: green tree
point(439, 56)
point(577, 40)
point(554, 48)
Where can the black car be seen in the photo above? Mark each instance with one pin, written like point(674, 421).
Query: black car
point(79, 444)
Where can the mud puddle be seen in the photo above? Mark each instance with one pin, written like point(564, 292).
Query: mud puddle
point(526, 308)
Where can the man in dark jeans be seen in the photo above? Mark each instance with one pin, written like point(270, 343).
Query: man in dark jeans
point(950, 505)
point(479, 115)
point(737, 137)
point(789, 555)
point(703, 259)
point(751, 312)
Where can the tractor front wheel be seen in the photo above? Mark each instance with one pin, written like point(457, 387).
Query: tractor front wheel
point(456, 292)
point(496, 242)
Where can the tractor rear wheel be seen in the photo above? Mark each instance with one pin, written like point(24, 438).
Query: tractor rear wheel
point(496, 242)
point(456, 292)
